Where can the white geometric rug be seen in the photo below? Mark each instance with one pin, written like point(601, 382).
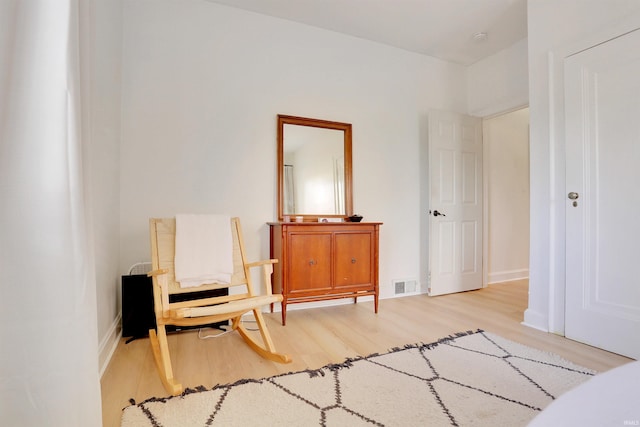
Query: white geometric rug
point(471, 379)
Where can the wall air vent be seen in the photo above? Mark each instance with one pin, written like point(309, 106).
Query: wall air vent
point(405, 286)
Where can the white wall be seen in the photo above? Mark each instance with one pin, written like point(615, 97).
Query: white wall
point(102, 59)
point(556, 27)
point(506, 161)
point(497, 85)
point(499, 82)
point(202, 86)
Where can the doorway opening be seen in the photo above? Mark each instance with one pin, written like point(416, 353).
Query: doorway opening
point(506, 197)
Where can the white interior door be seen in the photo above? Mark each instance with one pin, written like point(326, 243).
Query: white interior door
point(602, 113)
point(455, 225)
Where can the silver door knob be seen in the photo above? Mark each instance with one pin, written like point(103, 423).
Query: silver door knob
point(573, 195)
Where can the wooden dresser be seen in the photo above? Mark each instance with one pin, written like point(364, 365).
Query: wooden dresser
point(322, 261)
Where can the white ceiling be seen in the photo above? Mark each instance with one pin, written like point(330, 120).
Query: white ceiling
point(441, 28)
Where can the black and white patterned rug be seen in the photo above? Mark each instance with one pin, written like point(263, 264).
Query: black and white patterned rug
point(472, 378)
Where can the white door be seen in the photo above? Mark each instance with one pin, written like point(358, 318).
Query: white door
point(455, 225)
point(602, 113)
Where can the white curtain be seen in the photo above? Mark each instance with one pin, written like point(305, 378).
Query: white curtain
point(338, 186)
point(289, 191)
point(48, 335)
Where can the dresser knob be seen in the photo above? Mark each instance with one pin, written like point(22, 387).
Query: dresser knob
point(353, 260)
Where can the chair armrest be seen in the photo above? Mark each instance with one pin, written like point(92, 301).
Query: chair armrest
point(158, 272)
point(261, 263)
point(267, 269)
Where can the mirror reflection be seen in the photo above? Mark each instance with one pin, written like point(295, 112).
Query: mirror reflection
point(314, 168)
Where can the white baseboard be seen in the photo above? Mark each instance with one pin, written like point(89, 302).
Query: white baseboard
point(109, 344)
point(535, 320)
point(319, 304)
point(508, 276)
point(339, 301)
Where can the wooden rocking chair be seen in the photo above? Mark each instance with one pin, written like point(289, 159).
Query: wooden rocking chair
point(207, 310)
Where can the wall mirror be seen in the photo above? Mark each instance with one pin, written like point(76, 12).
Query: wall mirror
point(314, 168)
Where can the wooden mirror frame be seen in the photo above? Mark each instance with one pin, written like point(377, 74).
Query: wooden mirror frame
point(348, 191)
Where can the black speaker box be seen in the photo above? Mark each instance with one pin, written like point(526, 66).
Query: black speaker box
point(137, 306)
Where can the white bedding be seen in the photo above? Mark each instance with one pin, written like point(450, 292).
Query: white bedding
point(608, 399)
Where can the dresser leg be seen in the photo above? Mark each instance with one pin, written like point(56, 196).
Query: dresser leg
point(284, 313)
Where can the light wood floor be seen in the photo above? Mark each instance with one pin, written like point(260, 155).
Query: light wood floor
point(319, 336)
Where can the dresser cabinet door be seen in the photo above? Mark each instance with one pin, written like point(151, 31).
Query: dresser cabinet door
point(353, 259)
point(309, 262)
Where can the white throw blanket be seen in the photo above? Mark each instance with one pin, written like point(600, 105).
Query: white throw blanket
point(204, 250)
